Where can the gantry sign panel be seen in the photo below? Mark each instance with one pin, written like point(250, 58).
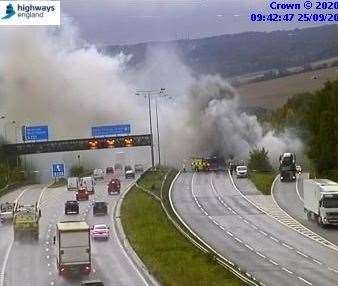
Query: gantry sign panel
point(78, 144)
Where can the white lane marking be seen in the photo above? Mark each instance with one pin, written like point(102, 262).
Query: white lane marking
point(238, 240)
point(229, 233)
point(305, 281)
point(249, 247)
point(120, 199)
point(262, 232)
point(316, 261)
point(274, 239)
point(302, 254)
point(41, 195)
point(334, 270)
point(2, 273)
point(287, 270)
point(287, 246)
point(297, 190)
point(260, 254)
point(4, 265)
point(273, 262)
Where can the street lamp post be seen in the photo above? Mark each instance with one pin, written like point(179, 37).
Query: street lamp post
point(158, 134)
point(151, 133)
point(148, 94)
point(13, 122)
point(3, 117)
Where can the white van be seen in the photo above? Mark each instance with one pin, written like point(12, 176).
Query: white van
point(242, 171)
point(98, 174)
point(72, 183)
point(88, 183)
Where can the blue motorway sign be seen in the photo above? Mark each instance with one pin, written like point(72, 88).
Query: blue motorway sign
point(35, 133)
point(100, 131)
point(58, 170)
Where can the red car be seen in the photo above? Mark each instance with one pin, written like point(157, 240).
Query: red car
point(82, 195)
point(114, 187)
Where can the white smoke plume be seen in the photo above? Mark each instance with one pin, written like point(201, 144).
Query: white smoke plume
point(46, 76)
point(211, 123)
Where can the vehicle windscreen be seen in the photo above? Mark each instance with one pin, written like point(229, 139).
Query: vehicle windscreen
point(100, 227)
point(330, 202)
point(6, 207)
point(100, 205)
point(287, 160)
point(241, 168)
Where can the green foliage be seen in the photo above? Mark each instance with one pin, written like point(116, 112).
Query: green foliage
point(259, 160)
point(314, 118)
point(263, 181)
point(169, 256)
point(76, 171)
point(9, 172)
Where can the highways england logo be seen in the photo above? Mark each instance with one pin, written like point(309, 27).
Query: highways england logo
point(30, 13)
point(10, 12)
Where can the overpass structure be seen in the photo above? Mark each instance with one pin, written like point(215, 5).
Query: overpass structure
point(78, 144)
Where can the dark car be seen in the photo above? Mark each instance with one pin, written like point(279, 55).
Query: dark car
point(138, 168)
point(92, 283)
point(100, 208)
point(110, 170)
point(118, 167)
point(71, 207)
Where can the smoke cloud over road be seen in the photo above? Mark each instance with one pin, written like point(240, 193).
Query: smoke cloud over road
point(46, 76)
point(211, 123)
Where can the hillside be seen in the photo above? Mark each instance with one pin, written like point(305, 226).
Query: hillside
point(231, 55)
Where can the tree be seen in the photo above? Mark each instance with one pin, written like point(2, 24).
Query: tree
point(259, 160)
point(76, 171)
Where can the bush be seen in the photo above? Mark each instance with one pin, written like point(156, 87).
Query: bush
point(259, 160)
point(76, 171)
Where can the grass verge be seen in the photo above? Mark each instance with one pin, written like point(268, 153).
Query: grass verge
point(169, 256)
point(263, 181)
point(59, 183)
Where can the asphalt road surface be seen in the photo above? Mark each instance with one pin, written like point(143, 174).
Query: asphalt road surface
point(273, 253)
point(289, 197)
point(34, 263)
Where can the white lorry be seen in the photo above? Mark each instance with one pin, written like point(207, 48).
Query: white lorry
point(73, 184)
point(73, 247)
point(321, 201)
point(88, 183)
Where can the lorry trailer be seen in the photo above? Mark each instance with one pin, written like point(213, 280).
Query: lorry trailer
point(321, 201)
point(73, 254)
point(26, 221)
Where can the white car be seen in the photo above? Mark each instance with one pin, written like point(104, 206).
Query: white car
point(299, 169)
point(100, 231)
point(98, 174)
point(241, 171)
point(73, 184)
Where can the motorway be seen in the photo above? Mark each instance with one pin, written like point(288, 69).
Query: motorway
point(34, 264)
point(273, 253)
point(289, 196)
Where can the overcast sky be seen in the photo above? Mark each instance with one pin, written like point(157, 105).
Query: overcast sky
point(134, 21)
